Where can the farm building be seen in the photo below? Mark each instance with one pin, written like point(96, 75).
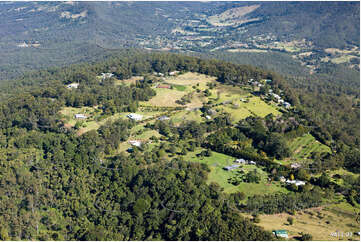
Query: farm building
point(158, 74)
point(232, 167)
point(72, 85)
point(245, 162)
point(162, 118)
point(134, 116)
point(208, 117)
point(106, 75)
point(136, 143)
point(164, 86)
point(79, 116)
point(280, 233)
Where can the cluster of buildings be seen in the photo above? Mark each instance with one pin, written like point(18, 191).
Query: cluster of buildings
point(255, 83)
point(279, 99)
point(245, 162)
point(295, 182)
point(239, 163)
point(171, 73)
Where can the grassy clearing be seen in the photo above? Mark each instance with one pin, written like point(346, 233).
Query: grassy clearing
point(255, 107)
point(181, 88)
point(319, 222)
point(186, 116)
point(232, 16)
point(302, 147)
point(190, 78)
point(165, 98)
point(217, 161)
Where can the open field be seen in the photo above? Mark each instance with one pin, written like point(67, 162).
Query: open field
point(129, 81)
point(255, 107)
point(185, 115)
point(165, 98)
point(302, 147)
point(319, 222)
point(233, 16)
point(190, 78)
point(339, 59)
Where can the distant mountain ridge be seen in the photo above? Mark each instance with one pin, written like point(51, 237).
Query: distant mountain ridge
point(60, 27)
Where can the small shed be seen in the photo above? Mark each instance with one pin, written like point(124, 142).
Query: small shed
point(79, 116)
point(72, 85)
point(232, 167)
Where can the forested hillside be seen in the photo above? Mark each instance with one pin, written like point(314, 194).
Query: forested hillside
point(57, 183)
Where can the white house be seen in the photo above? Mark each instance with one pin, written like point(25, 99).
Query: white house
point(72, 85)
point(134, 116)
point(172, 73)
point(208, 117)
point(251, 162)
point(80, 116)
point(136, 143)
point(286, 105)
point(276, 96)
point(106, 75)
point(295, 165)
point(163, 118)
point(282, 179)
point(296, 182)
